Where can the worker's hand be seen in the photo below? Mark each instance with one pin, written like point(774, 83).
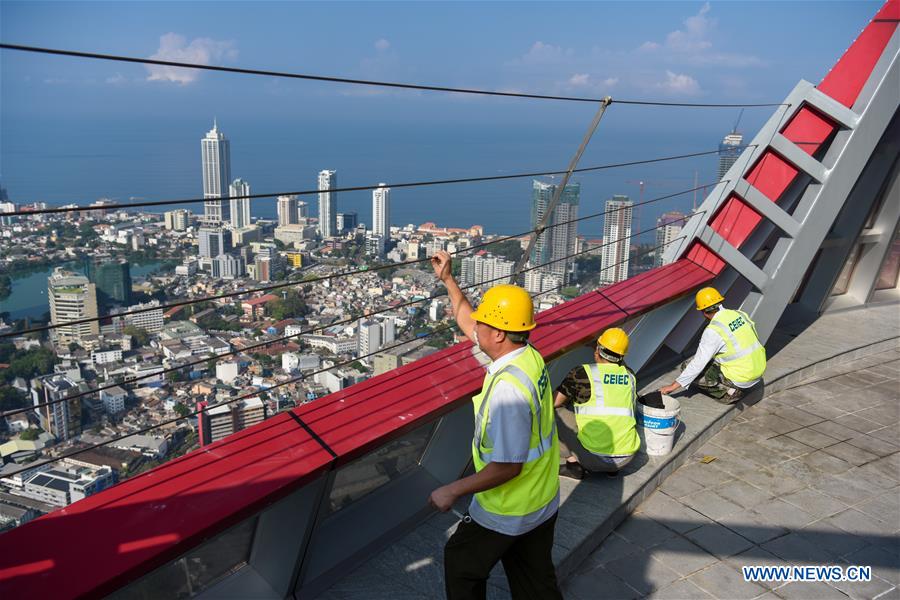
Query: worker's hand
point(442, 498)
point(441, 262)
point(668, 389)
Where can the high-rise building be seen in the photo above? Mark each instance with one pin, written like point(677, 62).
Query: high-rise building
point(302, 209)
point(112, 279)
point(616, 240)
point(72, 297)
point(287, 210)
point(150, 319)
point(668, 226)
point(729, 151)
point(381, 210)
point(221, 421)
point(269, 265)
point(327, 204)
point(486, 269)
point(556, 245)
point(227, 266)
point(369, 338)
point(215, 153)
point(61, 419)
point(347, 222)
point(177, 220)
point(213, 242)
point(240, 207)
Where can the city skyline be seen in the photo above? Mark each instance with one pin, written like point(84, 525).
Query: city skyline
point(215, 155)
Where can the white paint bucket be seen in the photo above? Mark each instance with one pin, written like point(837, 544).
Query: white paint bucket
point(659, 425)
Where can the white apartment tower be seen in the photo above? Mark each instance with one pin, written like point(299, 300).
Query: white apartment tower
point(287, 210)
point(381, 210)
point(557, 243)
point(72, 297)
point(616, 240)
point(240, 207)
point(327, 203)
point(215, 153)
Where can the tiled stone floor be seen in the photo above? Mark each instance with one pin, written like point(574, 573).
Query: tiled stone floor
point(807, 476)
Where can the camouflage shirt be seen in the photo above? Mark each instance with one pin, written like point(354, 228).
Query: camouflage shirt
point(577, 385)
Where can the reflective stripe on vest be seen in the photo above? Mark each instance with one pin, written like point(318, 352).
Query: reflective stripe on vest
point(606, 424)
point(544, 441)
point(744, 358)
point(527, 499)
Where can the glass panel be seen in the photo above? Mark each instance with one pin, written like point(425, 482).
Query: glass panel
point(198, 569)
point(367, 474)
point(843, 280)
point(887, 277)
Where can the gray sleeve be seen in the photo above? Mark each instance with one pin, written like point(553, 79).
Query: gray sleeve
point(509, 427)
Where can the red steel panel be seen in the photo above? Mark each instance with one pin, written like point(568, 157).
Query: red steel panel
point(107, 540)
point(704, 257)
point(771, 175)
point(735, 221)
point(648, 290)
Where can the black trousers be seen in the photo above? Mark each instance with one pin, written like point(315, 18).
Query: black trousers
point(472, 551)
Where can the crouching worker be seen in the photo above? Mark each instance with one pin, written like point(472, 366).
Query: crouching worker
point(730, 356)
point(595, 406)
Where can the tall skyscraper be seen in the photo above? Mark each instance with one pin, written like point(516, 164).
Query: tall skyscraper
point(347, 222)
point(729, 151)
point(240, 207)
point(302, 209)
point(327, 203)
point(559, 240)
point(72, 297)
point(287, 210)
point(485, 269)
point(381, 210)
point(177, 220)
point(215, 153)
point(668, 226)
point(113, 281)
point(213, 242)
point(616, 240)
point(62, 419)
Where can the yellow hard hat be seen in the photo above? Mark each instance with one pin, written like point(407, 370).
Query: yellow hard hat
point(707, 297)
point(506, 307)
point(615, 340)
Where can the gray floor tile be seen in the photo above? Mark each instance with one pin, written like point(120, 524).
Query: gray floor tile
point(751, 525)
point(596, 583)
point(784, 514)
point(777, 424)
point(757, 557)
point(680, 590)
point(874, 445)
point(857, 523)
point(809, 590)
point(853, 455)
point(671, 513)
point(724, 581)
point(798, 550)
point(644, 531)
point(889, 434)
point(825, 463)
point(612, 548)
point(706, 475)
point(786, 446)
point(678, 487)
point(719, 540)
point(864, 590)
point(857, 423)
point(844, 487)
point(812, 438)
point(799, 416)
point(682, 556)
point(743, 494)
point(815, 503)
point(642, 573)
point(885, 565)
point(885, 508)
point(838, 432)
point(832, 539)
point(712, 505)
point(776, 485)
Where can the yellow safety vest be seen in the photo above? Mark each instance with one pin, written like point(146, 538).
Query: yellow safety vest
point(744, 358)
point(606, 424)
point(537, 484)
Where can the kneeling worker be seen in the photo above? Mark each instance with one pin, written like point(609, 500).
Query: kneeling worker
point(730, 355)
point(602, 397)
point(515, 451)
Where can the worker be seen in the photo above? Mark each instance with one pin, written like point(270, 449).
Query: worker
point(600, 434)
point(730, 356)
point(515, 450)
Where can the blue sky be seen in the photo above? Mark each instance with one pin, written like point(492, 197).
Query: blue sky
point(725, 51)
point(125, 131)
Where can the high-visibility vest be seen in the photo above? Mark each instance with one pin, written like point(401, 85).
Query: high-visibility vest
point(744, 358)
point(606, 423)
point(538, 483)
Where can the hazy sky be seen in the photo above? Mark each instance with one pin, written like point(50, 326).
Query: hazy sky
point(725, 51)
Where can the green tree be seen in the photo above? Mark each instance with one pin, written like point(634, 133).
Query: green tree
point(182, 410)
point(30, 434)
point(36, 361)
point(140, 335)
point(508, 249)
point(11, 398)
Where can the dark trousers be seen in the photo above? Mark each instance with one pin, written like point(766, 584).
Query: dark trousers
point(472, 551)
point(715, 385)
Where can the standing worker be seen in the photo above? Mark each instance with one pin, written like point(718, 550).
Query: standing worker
point(730, 355)
point(600, 434)
point(515, 451)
